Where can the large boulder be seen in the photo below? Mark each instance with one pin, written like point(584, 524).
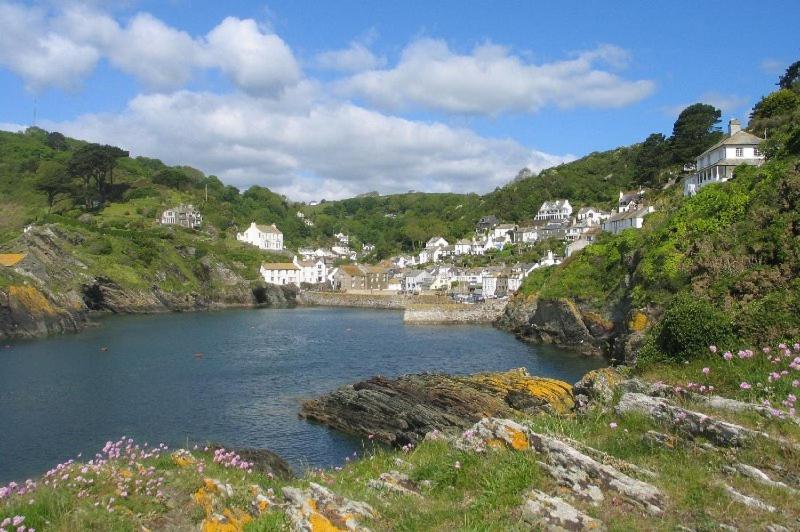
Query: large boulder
point(597, 387)
point(403, 410)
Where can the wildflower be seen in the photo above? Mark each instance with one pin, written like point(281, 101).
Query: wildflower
point(612, 425)
point(457, 465)
point(706, 371)
point(712, 348)
point(371, 436)
point(795, 384)
point(745, 386)
point(18, 519)
point(766, 350)
point(727, 355)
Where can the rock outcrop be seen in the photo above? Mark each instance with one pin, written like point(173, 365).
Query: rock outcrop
point(559, 322)
point(403, 410)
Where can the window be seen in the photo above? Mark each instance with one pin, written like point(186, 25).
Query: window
point(740, 152)
point(756, 152)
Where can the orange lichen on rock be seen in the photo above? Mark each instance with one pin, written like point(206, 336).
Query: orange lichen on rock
point(31, 299)
point(638, 321)
point(555, 393)
point(11, 259)
point(519, 441)
point(229, 521)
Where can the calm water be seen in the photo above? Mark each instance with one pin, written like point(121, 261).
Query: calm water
point(63, 395)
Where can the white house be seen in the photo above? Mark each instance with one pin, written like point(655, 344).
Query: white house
point(312, 271)
point(281, 273)
point(630, 201)
point(554, 210)
point(528, 235)
point(402, 261)
point(436, 242)
point(368, 248)
point(503, 232)
point(494, 284)
point(262, 236)
point(548, 260)
point(591, 216)
point(416, 280)
point(626, 220)
point(463, 247)
point(182, 215)
point(343, 238)
point(585, 239)
point(716, 164)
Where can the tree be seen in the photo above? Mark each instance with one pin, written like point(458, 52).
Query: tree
point(791, 78)
point(57, 141)
point(94, 165)
point(651, 158)
point(52, 179)
point(694, 131)
point(173, 178)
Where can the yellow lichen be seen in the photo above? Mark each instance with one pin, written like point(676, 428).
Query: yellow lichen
point(519, 441)
point(556, 393)
point(31, 299)
point(638, 321)
point(320, 523)
point(11, 259)
point(230, 522)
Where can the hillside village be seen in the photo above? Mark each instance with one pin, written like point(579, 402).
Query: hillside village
point(439, 266)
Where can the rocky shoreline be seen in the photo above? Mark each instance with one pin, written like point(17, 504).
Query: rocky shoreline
point(51, 291)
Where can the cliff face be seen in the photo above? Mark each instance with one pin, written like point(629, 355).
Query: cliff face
point(564, 323)
point(53, 291)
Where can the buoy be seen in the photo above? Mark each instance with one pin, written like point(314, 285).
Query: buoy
point(103, 348)
point(198, 355)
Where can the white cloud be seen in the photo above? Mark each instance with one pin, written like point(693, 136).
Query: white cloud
point(257, 62)
point(40, 57)
point(491, 81)
point(331, 149)
point(12, 127)
point(355, 58)
point(61, 47)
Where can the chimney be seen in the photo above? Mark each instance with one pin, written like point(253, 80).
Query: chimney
point(734, 126)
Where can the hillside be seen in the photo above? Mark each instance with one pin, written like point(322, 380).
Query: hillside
point(717, 268)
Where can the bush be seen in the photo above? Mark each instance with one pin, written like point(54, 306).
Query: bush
point(690, 325)
point(99, 246)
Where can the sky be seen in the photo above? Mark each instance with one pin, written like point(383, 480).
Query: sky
point(332, 99)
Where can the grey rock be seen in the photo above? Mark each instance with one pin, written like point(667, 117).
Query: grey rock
point(554, 513)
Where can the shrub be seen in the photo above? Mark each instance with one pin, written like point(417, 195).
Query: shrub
point(690, 325)
point(99, 246)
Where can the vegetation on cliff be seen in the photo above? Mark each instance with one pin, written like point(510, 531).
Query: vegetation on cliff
point(720, 267)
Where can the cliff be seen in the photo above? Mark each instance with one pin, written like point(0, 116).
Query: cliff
point(55, 288)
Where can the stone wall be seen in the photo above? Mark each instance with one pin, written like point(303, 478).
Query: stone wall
point(365, 300)
point(487, 312)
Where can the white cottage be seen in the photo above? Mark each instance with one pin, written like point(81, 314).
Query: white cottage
point(716, 164)
point(262, 236)
point(312, 271)
point(626, 220)
point(436, 242)
point(283, 273)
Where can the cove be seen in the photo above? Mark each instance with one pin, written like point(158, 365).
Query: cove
point(235, 377)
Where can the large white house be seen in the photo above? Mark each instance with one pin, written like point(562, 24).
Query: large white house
point(591, 216)
point(716, 164)
point(281, 273)
point(554, 210)
point(262, 236)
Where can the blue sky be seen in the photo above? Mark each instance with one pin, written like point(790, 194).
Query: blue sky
point(329, 99)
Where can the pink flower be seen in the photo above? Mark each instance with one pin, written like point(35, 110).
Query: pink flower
point(18, 519)
point(612, 425)
point(706, 371)
point(745, 386)
point(728, 355)
point(712, 348)
point(796, 383)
